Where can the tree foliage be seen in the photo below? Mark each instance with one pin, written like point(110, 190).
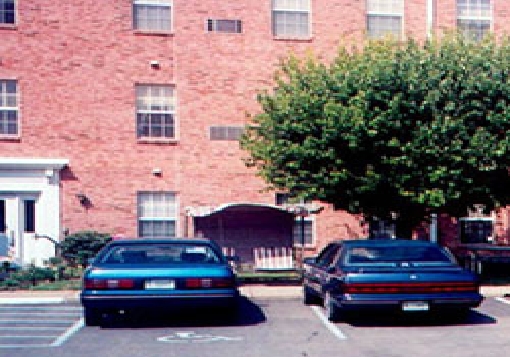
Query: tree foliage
point(392, 128)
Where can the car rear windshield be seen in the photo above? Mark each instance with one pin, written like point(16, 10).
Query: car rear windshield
point(160, 254)
point(397, 255)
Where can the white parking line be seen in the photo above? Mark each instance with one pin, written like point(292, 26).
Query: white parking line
point(503, 300)
point(70, 331)
point(19, 321)
point(330, 326)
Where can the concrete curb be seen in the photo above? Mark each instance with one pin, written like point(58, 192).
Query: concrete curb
point(249, 291)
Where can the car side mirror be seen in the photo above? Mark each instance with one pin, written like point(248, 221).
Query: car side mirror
point(310, 260)
point(90, 261)
point(331, 269)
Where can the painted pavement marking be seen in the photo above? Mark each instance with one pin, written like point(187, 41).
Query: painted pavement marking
point(503, 300)
point(38, 326)
point(192, 337)
point(329, 325)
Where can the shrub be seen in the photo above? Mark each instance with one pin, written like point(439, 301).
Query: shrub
point(79, 247)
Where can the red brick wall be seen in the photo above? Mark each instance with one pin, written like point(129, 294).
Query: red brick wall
point(77, 62)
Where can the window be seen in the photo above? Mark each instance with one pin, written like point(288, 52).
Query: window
point(305, 225)
point(29, 210)
point(381, 229)
point(226, 26)
point(385, 17)
point(476, 229)
point(157, 213)
point(226, 132)
point(152, 15)
point(8, 107)
point(7, 11)
point(474, 18)
point(155, 111)
point(291, 18)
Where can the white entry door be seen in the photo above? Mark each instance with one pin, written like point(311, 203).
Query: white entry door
point(17, 222)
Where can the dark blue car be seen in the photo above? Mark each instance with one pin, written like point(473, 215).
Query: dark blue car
point(390, 275)
point(158, 274)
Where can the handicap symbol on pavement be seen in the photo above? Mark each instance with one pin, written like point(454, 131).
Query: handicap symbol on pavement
point(192, 337)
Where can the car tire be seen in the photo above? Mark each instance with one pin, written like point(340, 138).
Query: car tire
point(332, 311)
point(309, 298)
point(92, 316)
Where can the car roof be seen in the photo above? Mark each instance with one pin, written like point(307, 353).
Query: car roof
point(136, 241)
point(385, 242)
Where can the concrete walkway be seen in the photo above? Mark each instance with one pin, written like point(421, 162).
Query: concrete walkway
point(250, 291)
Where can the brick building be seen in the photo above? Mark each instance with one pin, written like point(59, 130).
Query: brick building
point(122, 116)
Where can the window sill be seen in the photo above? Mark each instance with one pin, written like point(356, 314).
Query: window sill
point(165, 141)
point(154, 33)
point(16, 138)
point(8, 26)
point(293, 39)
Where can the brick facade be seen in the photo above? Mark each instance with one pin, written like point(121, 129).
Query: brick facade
point(77, 63)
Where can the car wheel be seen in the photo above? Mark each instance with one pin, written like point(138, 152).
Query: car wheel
point(92, 316)
point(308, 297)
point(332, 311)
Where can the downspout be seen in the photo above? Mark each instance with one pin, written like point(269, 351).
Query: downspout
point(431, 11)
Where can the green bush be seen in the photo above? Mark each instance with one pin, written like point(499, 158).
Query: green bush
point(77, 248)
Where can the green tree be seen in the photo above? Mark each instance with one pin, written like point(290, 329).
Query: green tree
point(77, 248)
point(407, 129)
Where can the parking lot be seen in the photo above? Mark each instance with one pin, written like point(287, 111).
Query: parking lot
point(267, 327)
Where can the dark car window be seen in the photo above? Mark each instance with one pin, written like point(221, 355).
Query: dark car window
point(397, 254)
point(160, 254)
point(327, 255)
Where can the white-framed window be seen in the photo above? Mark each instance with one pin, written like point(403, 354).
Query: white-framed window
point(474, 18)
point(7, 11)
point(381, 229)
point(157, 214)
point(155, 111)
point(385, 18)
point(303, 228)
point(476, 229)
point(9, 124)
point(152, 15)
point(291, 18)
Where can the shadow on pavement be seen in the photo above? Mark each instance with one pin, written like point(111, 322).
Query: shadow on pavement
point(472, 317)
point(248, 313)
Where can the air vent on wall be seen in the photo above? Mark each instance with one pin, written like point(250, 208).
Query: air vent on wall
point(226, 26)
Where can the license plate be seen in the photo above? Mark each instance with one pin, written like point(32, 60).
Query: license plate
point(160, 284)
point(415, 306)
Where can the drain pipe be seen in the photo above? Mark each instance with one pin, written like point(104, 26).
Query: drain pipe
point(431, 13)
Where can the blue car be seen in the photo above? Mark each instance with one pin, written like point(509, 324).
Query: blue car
point(388, 275)
point(158, 274)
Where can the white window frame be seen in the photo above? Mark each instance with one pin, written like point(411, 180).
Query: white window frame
point(377, 10)
point(2, 23)
point(291, 10)
point(476, 219)
point(171, 102)
point(475, 14)
point(167, 213)
point(297, 226)
point(5, 108)
point(154, 3)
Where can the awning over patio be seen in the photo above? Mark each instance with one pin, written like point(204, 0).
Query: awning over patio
point(295, 209)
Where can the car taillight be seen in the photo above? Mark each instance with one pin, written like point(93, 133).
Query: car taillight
point(209, 283)
point(105, 284)
point(409, 288)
